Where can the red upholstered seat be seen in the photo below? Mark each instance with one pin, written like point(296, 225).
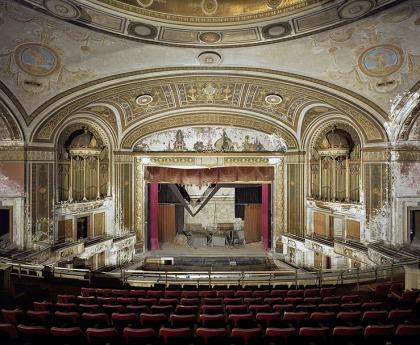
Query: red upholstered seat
point(314, 335)
point(295, 293)
point(106, 300)
point(312, 300)
point(212, 300)
point(190, 301)
point(133, 336)
point(311, 293)
point(173, 294)
point(349, 318)
point(233, 300)
point(278, 293)
point(42, 318)
point(350, 306)
point(86, 299)
point(12, 316)
point(33, 334)
point(120, 293)
point(253, 300)
point(137, 293)
point(189, 294)
point(246, 336)
point(70, 335)
point(349, 298)
point(225, 293)
point(242, 320)
point(273, 300)
point(137, 309)
point(268, 319)
point(119, 320)
point(113, 308)
point(259, 308)
point(212, 335)
point(186, 309)
point(378, 334)
point(280, 335)
point(212, 321)
point(65, 306)
point(236, 309)
point(126, 300)
point(297, 319)
point(183, 320)
point(309, 308)
point(168, 301)
point(407, 335)
point(328, 307)
point(374, 317)
point(207, 294)
point(66, 318)
point(293, 300)
point(283, 307)
point(154, 321)
point(372, 306)
point(42, 306)
point(8, 330)
point(162, 309)
point(102, 336)
point(155, 293)
point(66, 299)
point(323, 318)
point(243, 293)
point(149, 301)
point(103, 292)
point(88, 308)
point(176, 335)
point(211, 309)
point(261, 293)
point(348, 331)
point(327, 291)
point(399, 316)
point(331, 299)
point(95, 320)
point(87, 291)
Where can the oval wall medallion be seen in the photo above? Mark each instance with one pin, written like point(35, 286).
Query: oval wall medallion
point(36, 59)
point(210, 37)
point(355, 9)
point(381, 60)
point(209, 58)
point(62, 9)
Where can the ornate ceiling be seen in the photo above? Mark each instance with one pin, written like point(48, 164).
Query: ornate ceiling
point(214, 23)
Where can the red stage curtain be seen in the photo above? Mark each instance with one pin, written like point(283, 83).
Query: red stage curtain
point(211, 175)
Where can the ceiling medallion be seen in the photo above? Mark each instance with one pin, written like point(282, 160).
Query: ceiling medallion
point(62, 9)
point(355, 9)
point(209, 58)
point(210, 37)
point(144, 99)
point(209, 7)
point(273, 99)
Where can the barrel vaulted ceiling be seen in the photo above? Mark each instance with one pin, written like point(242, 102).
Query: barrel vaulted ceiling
point(53, 70)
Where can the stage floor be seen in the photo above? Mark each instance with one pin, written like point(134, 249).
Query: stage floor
point(171, 249)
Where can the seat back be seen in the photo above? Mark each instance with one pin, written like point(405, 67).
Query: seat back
point(212, 335)
point(176, 336)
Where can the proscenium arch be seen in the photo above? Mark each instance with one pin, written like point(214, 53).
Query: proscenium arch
point(219, 119)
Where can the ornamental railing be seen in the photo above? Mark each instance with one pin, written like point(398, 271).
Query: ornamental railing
point(280, 277)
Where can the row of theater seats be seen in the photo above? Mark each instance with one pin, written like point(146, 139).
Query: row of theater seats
point(388, 334)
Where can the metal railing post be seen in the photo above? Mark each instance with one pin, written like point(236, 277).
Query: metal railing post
point(341, 276)
point(376, 274)
point(358, 279)
point(320, 278)
point(296, 278)
point(392, 271)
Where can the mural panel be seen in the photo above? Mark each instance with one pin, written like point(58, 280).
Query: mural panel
point(211, 139)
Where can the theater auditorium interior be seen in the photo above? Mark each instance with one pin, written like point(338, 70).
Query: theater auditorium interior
point(198, 172)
